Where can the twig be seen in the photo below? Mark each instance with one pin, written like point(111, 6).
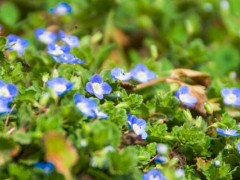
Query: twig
point(8, 116)
point(156, 81)
point(11, 130)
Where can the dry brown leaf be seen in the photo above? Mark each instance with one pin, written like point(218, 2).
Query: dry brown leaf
point(196, 76)
point(120, 37)
point(199, 93)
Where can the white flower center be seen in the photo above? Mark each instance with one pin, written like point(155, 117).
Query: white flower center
point(59, 88)
point(231, 98)
point(4, 92)
point(60, 10)
point(184, 98)
point(142, 76)
point(83, 108)
point(16, 46)
point(230, 132)
point(45, 37)
point(97, 87)
point(162, 148)
point(57, 51)
point(137, 129)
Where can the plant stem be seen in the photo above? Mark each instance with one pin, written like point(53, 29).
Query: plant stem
point(8, 116)
point(156, 81)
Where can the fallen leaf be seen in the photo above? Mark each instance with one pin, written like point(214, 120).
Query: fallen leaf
point(196, 76)
point(199, 92)
point(60, 152)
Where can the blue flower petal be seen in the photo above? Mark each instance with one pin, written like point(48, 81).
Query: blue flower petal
point(46, 167)
point(106, 88)
point(96, 79)
point(4, 105)
point(89, 87)
point(183, 90)
point(13, 90)
point(154, 174)
point(227, 132)
point(99, 96)
point(61, 9)
point(236, 91)
point(59, 85)
point(119, 74)
point(160, 159)
point(226, 91)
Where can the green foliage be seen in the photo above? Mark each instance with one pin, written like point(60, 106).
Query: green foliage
point(192, 142)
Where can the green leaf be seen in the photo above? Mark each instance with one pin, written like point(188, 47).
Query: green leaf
point(3, 42)
point(104, 133)
point(9, 14)
point(123, 162)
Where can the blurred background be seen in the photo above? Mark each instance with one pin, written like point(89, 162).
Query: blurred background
point(164, 34)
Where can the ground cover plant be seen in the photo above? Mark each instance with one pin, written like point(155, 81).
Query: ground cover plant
point(119, 89)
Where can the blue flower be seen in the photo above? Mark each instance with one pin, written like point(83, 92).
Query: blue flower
point(45, 36)
point(98, 87)
point(59, 85)
point(160, 159)
point(68, 59)
point(88, 107)
point(141, 73)
point(61, 9)
point(162, 148)
point(231, 96)
point(179, 173)
point(8, 91)
point(56, 50)
point(227, 132)
point(216, 163)
point(154, 174)
point(70, 40)
point(119, 74)
point(137, 125)
point(4, 105)
point(16, 44)
point(46, 167)
point(183, 94)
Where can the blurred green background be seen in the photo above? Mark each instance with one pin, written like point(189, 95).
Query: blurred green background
point(164, 34)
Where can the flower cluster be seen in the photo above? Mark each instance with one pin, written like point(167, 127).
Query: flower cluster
point(137, 126)
point(139, 73)
point(14, 43)
point(60, 54)
point(183, 94)
point(7, 93)
point(88, 107)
